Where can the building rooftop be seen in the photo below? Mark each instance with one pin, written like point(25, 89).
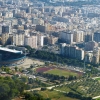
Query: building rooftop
point(10, 50)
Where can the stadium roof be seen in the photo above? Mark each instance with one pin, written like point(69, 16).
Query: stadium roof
point(9, 50)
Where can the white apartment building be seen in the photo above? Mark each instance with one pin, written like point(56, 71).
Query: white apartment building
point(80, 54)
point(37, 21)
point(18, 39)
point(88, 57)
point(40, 40)
point(71, 51)
point(5, 37)
point(62, 48)
point(9, 14)
point(78, 36)
point(67, 37)
point(31, 41)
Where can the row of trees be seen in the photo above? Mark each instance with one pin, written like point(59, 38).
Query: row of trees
point(53, 57)
point(51, 76)
point(78, 96)
point(57, 77)
point(9, 70)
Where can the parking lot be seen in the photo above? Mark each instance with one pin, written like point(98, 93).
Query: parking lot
point(30, 61)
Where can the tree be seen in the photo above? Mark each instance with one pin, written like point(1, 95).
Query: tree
point(32, 96)
point(31, 66)
point(43, 89)
point(20, 69)
point(7, 69)
point(4, 90)
point(24, 79)
point(2, 68)
point(16, 68)
point(30, 80)
point(70, 78)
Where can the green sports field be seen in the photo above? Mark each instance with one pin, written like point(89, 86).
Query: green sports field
point(61, 72)
point(98, 78)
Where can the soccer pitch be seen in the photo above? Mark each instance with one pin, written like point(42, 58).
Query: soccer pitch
point(61, 72)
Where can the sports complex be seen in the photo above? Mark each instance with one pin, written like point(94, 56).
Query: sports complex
point(11, 57)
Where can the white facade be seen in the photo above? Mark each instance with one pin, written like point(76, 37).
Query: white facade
point(18, 39)
point(9, 15)
point(40, 40)
point(80, 54)
point(88, 57)
point(78, 36)
point(71, 51)
point(37, 21)
point(31, 41)
point(62, 48)
point(5, 37)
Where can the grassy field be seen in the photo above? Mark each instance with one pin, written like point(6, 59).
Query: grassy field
point(98, 99)
point(98, 78)
point(54, 95)
point(61, 72)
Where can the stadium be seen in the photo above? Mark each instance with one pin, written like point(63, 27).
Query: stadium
point(10, 57)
